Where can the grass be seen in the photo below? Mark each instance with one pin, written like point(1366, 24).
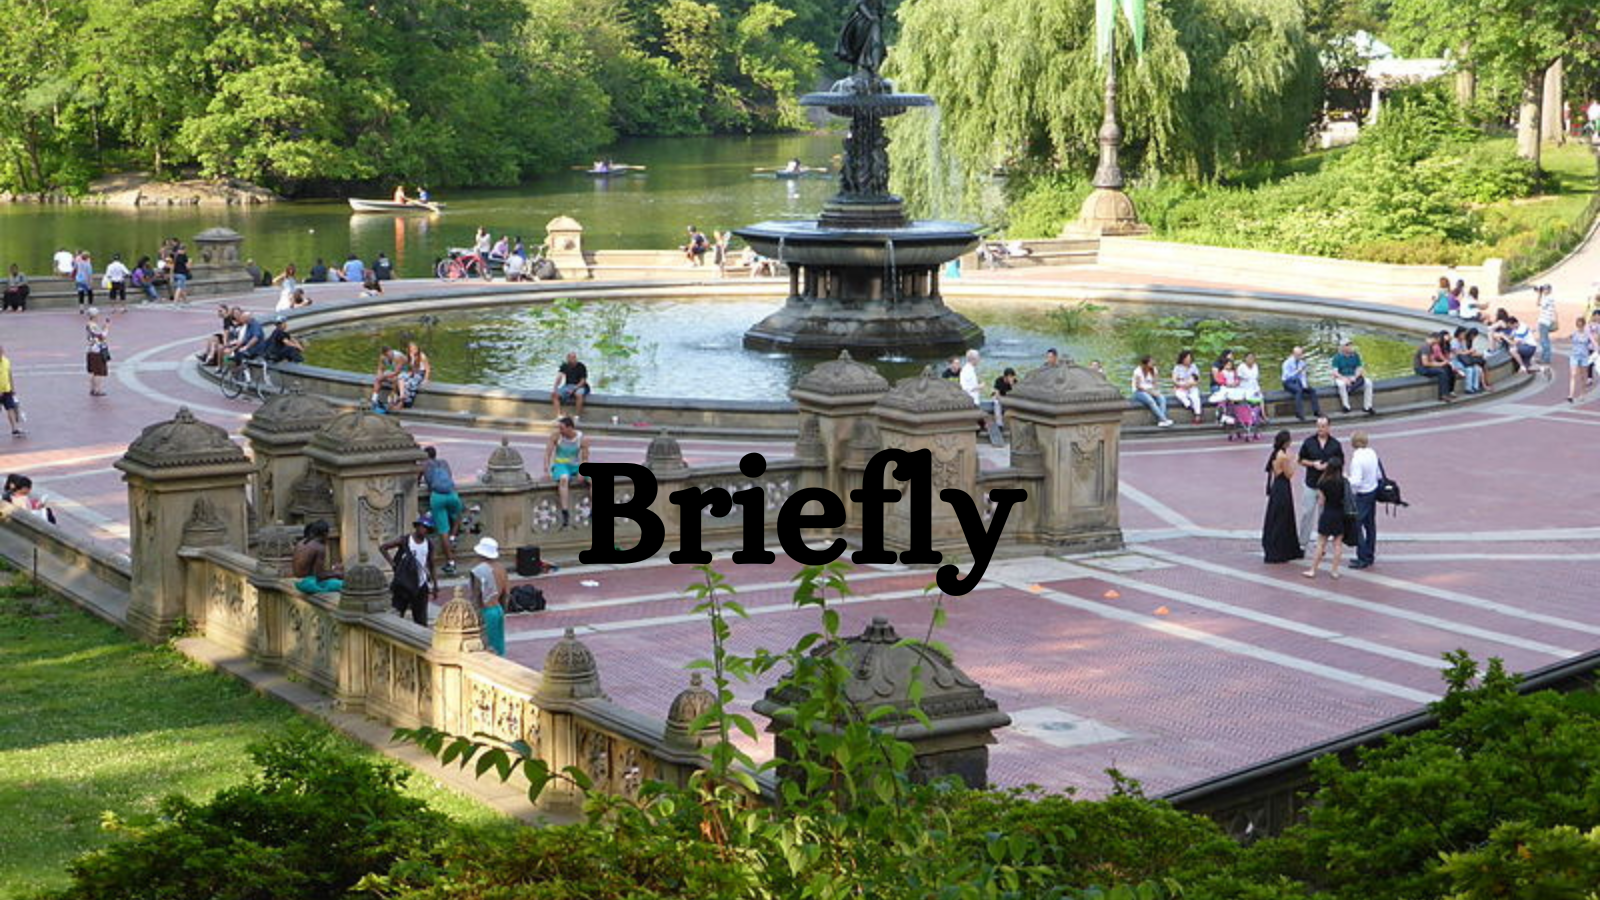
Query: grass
point(91, 722)
point(1534, 234)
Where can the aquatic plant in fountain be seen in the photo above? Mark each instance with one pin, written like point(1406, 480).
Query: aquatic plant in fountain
point(862, 277)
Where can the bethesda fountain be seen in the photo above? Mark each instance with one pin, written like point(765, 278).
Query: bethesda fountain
point(862, 277)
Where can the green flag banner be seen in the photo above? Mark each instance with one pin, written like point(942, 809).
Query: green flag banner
point(1105, 23)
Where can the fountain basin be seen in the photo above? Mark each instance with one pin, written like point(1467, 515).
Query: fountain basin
point(811, 243)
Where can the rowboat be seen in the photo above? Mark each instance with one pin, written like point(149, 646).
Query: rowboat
point(391, 206)
point(791, 174)
point(614, 169)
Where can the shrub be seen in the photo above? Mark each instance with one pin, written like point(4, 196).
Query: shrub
point(313, 822)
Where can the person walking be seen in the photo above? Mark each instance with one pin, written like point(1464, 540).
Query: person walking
point(1316, 453)
point(8, 395)
point(1297, 381)
point(412, 559)
point(564, 457)
point(1366, 470)
point(444, 504)
point(1279, 540)
point(1334, 523)
point(180, 274)
point(1582, 357)
point(83, 279)
point(1547, 321)
point(98, 355)
point(491, 586)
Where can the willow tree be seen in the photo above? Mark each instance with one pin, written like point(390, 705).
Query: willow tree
point(1220, 83)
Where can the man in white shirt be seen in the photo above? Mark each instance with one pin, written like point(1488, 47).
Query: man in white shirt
point(63, 263)
point(1363, 475)
point(117, 280)
point(970, 382)
point(1297, 381)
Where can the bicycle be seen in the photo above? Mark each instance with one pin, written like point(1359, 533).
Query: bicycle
point(463, 264)
point(236, 379)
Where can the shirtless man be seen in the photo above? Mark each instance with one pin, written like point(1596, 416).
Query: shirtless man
point(391, 373)
point(312, 571)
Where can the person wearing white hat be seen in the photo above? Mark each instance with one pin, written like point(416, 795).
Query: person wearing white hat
point(490, 588)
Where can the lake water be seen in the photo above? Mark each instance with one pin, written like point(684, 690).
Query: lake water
point(705, 182)
point(693, 348)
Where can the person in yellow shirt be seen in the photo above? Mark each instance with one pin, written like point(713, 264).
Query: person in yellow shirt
point(8, 395)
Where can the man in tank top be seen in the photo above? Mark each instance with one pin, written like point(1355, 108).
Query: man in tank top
point(416, 578)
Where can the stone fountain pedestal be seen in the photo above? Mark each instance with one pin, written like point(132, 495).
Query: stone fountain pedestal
point(861, 277)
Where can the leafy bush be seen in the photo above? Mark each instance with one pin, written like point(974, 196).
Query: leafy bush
point(308, 827)
point(1075, 318)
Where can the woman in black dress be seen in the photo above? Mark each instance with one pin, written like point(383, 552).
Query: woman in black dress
point(1279, 541)
point(1332, 524)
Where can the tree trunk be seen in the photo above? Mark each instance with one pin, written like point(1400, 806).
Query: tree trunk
point(1528, 116)
point(1466, 79)
point(1552, 124)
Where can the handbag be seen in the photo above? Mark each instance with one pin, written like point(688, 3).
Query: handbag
point(1388, 490)
point(1349, 504)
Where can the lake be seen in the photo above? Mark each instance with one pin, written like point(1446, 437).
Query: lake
point(703, 181)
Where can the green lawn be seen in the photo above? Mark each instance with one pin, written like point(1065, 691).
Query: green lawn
point(1533, 233)
point(91, 721)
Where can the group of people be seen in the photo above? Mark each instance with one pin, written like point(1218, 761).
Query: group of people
point(964, 371)
point(511, 255)
point(240, 337)
point(17, 497)
point(1338, 500)
point(1234, 385)
point(400, 377)
point(700, 246)
point(170, 269)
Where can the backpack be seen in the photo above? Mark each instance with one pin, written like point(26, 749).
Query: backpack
point(525, 598)
point(407, 581)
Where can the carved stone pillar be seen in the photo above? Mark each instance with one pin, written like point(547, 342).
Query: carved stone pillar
point(278, 433)
point(185, 479)
point(458, 630)
point(371, 464)
point(570, 676)
point(505, 501)
point(831, 398)
point(563, 238)
point(274, 562)
point(664, 459)
point(931, 413)
point(1076, 417)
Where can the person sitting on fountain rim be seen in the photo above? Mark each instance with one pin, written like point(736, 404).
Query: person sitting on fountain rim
point(952, 369)
point(572, 385)
point(1297, 381)
point(567, 451)
point(311, 569)
point(1349, 374)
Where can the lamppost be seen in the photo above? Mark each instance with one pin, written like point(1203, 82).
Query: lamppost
point(1108, 210)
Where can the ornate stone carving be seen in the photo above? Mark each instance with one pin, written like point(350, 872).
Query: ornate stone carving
point(927, 393)
point(182, 442)
point(311, 497)
point(508, 719)
point(842, 377)
point(275, 551)
point(1088, 466)
point(459, 627)
point(1026, 457)
point(379, 667)
point(363, 433)
point(949, 463)
point(690, 704)
point(290, 413)
point(594, 756)
point(205, 527)
point(865, 440)
point(632, 774)
point(380, 510)
point(1065, 384)
point(664, 458)
point(506, 467)
point(570, 671)
point(808, 446)
point(366, 587)
point(482, 708)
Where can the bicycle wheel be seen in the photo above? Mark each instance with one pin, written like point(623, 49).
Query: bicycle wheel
point(231, 385)
point(443, 270)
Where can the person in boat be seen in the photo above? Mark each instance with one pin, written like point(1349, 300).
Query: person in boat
point(400, 194)
point(794, 166)
point(423, 196)
point(602, 166)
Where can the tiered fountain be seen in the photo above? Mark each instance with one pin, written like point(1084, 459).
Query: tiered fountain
point(862, 277)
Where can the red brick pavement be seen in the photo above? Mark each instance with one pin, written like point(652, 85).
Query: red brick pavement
point(1200, 660)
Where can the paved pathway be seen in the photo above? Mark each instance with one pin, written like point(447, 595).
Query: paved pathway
point(1180, 658)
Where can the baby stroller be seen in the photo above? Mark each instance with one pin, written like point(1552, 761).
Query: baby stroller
point(1240, 418)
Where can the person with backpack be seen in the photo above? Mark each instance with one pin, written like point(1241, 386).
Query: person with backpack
point(413, 560)
point(490, 588)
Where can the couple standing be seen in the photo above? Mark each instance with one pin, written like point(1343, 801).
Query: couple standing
point(1348, 514)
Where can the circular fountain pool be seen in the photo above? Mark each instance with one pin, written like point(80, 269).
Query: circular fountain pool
point(693, 347)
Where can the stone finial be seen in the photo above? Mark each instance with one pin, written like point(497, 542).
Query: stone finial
point(690, 704)
point(293, 412)
point(842, 377)
point(570, 671)
point(882, 670)
point(458, 628)
point(275, 551)
point(664, 458)
point(1025, 453)
point(1064, 385)
point(181, 442)
point(366, 587)
point(311, 497)
point(506, 467)
point(204, 527)
point(927, 393)
point(363, 433)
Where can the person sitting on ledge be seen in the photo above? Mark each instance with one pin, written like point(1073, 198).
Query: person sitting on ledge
point(1297, 381)
point(1427, 364)
point(1147, 392)
point(312, 571)
point(1350, 374)
point(572, 385)
point(567, 451)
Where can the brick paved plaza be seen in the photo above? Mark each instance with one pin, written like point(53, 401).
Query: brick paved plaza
point(1179, 658)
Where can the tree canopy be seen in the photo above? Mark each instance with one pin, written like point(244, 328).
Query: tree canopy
point(303, 95)
point(1221, 83)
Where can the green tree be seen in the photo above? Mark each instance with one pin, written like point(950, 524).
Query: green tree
point(38, 141)
point(1221, 83)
